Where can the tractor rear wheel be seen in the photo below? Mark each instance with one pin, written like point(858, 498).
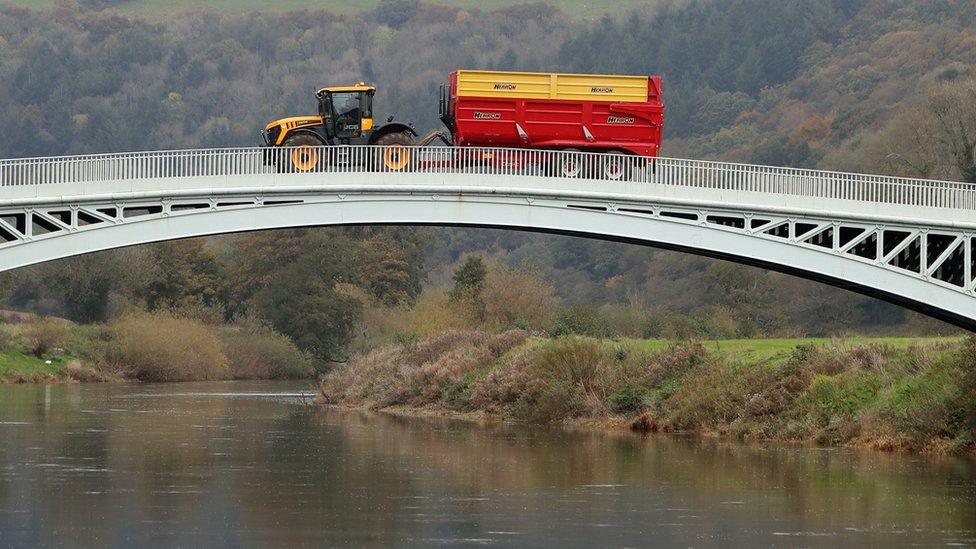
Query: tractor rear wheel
point(303, 154)
point(394, 151)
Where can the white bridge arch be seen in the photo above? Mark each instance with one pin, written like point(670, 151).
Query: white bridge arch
point(907, 241)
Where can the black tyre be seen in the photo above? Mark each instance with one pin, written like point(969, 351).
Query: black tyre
point(304, 154)
point(394, 152)
point(616, 167)
point(573, 163)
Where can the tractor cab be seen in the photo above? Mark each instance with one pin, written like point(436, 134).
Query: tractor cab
point(346, 111)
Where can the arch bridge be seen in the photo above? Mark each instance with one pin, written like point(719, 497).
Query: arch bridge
point(907, 241)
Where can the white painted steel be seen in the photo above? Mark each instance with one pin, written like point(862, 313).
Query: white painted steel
point(668, 171)
point(58, 207)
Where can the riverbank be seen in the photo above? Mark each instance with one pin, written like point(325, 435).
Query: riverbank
point(146, 347)
point(904, 394)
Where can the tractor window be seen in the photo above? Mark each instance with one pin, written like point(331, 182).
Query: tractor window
point(325, 107)
point(367, 105)
point(346, 107)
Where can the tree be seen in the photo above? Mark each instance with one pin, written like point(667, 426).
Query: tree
point(78, 288)
point(746, 292)
point(953, 110)
point(302, 303)
point(469, 279)
point(394, 13)
point(182, 274)
point(517, 297)
point(933, 138)
point(390, 262)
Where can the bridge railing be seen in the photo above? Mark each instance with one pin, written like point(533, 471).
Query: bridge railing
point(607, 168)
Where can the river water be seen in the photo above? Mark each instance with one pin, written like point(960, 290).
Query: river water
point(245, 463)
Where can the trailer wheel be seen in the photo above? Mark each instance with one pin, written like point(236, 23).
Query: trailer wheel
point(396, 155)
point(570, 163)
point(304, 156)
point(616, 167)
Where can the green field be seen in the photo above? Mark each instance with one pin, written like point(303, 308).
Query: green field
point(19, 363)
point(161, 10)
point(760, 350)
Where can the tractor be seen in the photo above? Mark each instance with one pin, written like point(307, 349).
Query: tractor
point(345, 118)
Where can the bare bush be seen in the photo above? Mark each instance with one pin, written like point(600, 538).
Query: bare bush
point(439, 370)
point(517, 297)
point(161, 347)
point(76, 371)
point(46, 334)
point(258, 352)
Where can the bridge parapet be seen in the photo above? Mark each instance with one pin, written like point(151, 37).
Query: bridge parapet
point(612, 175)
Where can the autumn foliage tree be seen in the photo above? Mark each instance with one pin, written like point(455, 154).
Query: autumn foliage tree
point(934, 138)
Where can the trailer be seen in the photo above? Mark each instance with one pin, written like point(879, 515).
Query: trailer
point(549, 111)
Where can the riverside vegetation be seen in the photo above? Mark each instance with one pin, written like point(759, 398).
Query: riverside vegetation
point(887, 394)
point(157, 346)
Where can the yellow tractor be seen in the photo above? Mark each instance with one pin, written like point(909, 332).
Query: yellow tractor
point(345, 118)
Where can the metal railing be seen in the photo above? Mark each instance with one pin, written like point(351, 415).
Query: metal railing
point(608, 168)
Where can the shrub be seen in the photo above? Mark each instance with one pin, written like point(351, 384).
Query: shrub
point(501, 388)
point(630, 320)
point(575, 360)
point(967, 404)
point(627, 399)
point(77, 372)
point(8, 340)
point(842, 395)
point(583, 320)
point(432, 314)
point(675, 362)
point(515, 297)
point(550, 400)
point(707, 398)
point(162, 347)
point(439, 370)
point(935, 404)
point(832, 393)
point(918, 408)
point(716, 323)
point(831, 407)
point(561, 381)
point(46, 334)
point(255, 351)
point(405, 338)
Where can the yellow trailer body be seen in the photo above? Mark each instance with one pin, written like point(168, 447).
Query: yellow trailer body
point(539, 85)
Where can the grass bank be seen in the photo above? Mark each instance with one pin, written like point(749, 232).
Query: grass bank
point(903, 394)
point(146, 347)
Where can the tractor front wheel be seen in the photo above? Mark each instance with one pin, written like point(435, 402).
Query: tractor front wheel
point(302, 154)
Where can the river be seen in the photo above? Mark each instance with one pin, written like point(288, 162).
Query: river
point(246, 463)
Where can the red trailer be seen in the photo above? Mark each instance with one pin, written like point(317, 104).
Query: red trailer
point(593, 113)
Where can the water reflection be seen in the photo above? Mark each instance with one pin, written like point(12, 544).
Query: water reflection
point(244, 464)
